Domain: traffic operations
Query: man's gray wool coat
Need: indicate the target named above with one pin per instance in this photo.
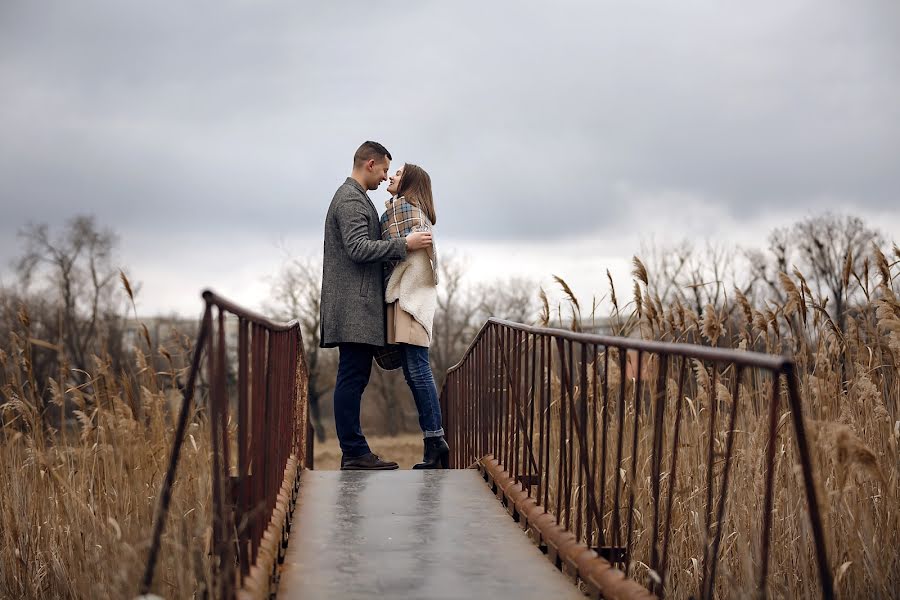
(353, 308)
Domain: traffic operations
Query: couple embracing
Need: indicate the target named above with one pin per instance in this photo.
(379, 291)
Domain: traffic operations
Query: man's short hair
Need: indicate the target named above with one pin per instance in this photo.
(370, 151)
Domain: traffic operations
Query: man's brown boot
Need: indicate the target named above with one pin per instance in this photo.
(367, 462)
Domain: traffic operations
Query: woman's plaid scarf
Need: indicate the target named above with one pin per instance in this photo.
(399, 220)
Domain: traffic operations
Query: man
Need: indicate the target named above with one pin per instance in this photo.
(352, 307)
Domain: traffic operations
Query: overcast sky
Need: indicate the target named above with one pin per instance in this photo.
(211, 135)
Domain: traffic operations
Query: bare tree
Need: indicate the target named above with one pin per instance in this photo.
(829, 249)
(464, 308)
(694, 277)
(65, 305)
(76, 271)
(513, 299)
(667, 268)
(454, 319)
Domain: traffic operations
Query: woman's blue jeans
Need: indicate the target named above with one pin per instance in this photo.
(417, 371)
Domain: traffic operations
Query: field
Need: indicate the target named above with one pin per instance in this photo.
(849, 382)
(76, 503)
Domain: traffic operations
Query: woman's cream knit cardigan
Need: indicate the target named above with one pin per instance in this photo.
(413, 284)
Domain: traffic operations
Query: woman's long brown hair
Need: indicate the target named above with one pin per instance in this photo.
(415, 186)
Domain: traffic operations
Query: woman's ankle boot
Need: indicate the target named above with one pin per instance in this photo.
(436, 455)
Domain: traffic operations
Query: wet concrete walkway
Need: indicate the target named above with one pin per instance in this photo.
(410, 534)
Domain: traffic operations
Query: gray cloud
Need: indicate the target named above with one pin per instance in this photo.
(544, 119)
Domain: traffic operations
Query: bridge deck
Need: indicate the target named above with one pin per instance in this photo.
(410, 534)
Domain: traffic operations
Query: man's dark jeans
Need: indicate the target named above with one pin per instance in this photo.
(354, 369)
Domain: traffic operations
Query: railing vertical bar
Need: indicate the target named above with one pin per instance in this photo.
(509, 382)
(501, 386)
(280, 421)
(215, 420)
(484, 399)
(490, 401)
(561, 451)
(498, 387)
(620, 439)
(258, 477)
(243, 504)
(477, 421)
(458, 425)
(509, 420)
(544, 443)
(477, 377)
(267, 461)
(515, 389)
(673, 472)
(212, 415)
(569, 390)
(474, 402)
(605, 431)
(447, 413)
(583, 518)
(656, 468)
(464, 413)
(521, 406)
(632, 479)
(464, 416)
(532, 342)
(472, 406)
(290, 407)
(769, 487)
(451, 416)
(444, 402)
(274, 456)
(710, 472)
(595, 442)
(497, 395)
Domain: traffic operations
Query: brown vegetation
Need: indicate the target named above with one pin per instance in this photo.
(77, 502)
(850, 387)
(77, 498)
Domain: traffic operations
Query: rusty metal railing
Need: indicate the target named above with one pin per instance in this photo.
(616, 453)
(260, 440)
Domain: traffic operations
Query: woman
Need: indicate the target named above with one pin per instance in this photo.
(411, 295)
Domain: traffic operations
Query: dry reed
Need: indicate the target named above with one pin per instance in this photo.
(850, 387)
(77, 501)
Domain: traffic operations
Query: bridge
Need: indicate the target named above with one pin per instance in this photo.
(581, 465)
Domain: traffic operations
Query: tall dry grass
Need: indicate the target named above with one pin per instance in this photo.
(77, 502)
(850, 388)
